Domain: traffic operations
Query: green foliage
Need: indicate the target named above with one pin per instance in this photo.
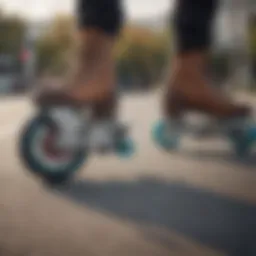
(252, 35)
(219, 66)
(253, 46)
(140, 53)
(12, 31)
(54, 45)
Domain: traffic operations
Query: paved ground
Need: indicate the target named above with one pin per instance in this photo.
(199, 201)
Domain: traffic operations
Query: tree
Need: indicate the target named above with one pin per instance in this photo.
(54, 45)
(253, 35)
(141, 55)
(253, 46)
(12, 31)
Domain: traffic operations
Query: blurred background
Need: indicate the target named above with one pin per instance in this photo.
(199, 201)
(36, 41)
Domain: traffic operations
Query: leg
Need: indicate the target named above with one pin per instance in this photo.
(187, 86)
(99, 23)
(93, 81)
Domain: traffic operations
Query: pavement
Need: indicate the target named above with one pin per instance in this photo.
(200, 200)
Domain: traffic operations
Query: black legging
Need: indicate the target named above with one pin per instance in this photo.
(192, 20)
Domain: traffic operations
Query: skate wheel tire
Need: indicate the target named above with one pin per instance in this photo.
(168, 143)
(53, 165)
(125, 148)
(243, 147)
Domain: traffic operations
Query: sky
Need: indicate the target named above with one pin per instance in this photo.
(44, 9)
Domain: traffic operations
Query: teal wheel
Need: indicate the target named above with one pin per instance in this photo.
(163, 138)
(125, 148)
(41, 156)
(243, 145)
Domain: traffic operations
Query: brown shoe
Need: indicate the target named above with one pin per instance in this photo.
(176, 104)
(54, 93)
